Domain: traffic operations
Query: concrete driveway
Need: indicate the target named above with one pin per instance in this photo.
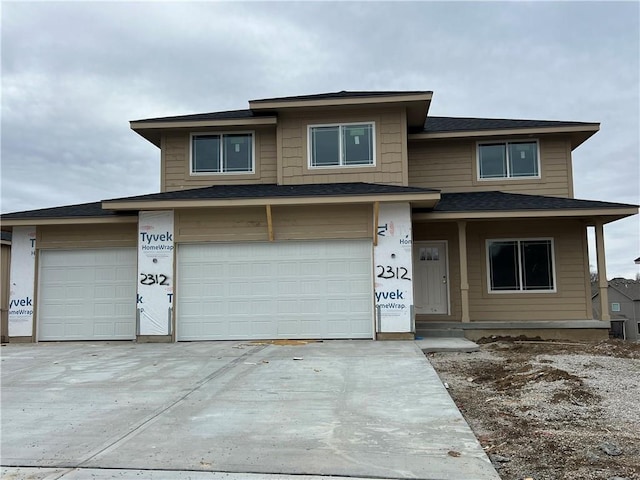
(344, 408)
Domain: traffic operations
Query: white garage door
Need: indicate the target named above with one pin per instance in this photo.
(275, 290)
(87, 294)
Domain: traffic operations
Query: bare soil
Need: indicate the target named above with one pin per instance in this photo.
(550, 410)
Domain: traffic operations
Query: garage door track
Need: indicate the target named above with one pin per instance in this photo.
(352, 408)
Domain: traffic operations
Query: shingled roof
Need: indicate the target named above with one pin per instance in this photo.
(500, 201)
(68, 211)
(463, 124)
(343, 94)
(275, 191)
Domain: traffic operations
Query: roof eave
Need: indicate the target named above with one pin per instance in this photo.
(418, 200)
(579, 133)
(152, 131)
(34, 221)
(606, 215)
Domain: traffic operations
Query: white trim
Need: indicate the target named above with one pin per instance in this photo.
(613, 309)
(520, 291)
(221, 135)
(506, 144)
(341, 165)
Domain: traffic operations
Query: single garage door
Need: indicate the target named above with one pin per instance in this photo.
(275, 290)
(87, 294)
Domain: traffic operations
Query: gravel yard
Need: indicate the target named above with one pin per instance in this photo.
(551, 410)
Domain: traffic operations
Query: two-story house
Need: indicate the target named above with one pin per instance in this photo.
(340, 215)
(624, 307)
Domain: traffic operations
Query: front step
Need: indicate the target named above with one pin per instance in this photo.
(421, 331)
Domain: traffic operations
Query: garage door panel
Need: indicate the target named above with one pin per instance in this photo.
(87, 294)
(275, 290)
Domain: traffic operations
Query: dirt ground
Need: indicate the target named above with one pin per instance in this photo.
(551, 410)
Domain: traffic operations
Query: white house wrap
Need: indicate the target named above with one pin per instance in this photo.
(22, 278)
(393, 271)
(155, 272)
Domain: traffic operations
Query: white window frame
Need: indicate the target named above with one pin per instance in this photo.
(520, 273)
(615, 306)
(508, 177)
(310, 165)
(222, 134)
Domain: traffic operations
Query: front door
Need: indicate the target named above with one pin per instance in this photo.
(430, 282)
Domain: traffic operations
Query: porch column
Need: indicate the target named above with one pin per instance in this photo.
(602, 271)
(464, 279)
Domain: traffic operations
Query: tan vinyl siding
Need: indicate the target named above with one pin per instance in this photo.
(570, 302)
(176, 175)
(445, 231)
(289, 223)
(221, 225)
(450, 165)
(87, 236)
(323, 222)
(390, 132)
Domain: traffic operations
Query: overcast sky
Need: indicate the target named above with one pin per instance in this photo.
(75, 73)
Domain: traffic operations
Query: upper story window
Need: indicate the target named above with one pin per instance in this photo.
(342, 145)
(508, 160)
(222, 153)
(520, 265)
(615, 307)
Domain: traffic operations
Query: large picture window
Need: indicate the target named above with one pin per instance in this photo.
(508, 160)
(342, 145)
(222, 153)
(520, 265)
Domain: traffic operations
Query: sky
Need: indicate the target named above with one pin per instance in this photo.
(75, 73)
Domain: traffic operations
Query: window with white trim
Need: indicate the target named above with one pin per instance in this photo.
(497, 160)
(342, 145)
(222, 153)
(615, 307)
(520, 265)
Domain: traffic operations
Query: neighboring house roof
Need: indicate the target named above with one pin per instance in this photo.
(637, 260)
(628, 288)
(500, 201)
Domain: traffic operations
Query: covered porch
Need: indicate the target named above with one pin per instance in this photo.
(492, 263)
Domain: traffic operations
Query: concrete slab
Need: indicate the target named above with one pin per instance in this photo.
(32, 473)
(441, 344)
(341, 408)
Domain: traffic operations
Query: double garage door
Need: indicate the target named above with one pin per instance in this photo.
(315, 289)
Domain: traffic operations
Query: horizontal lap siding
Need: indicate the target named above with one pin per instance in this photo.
(450, 166)
(87, 236)
(390, 130)
(289, 223)
(175, 162)
(571, 300)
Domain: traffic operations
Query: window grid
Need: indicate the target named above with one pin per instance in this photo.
(507, 161)
(221, 154)
(520, 287)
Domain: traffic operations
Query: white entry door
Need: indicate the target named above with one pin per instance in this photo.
(430, 278)
(312, 289)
